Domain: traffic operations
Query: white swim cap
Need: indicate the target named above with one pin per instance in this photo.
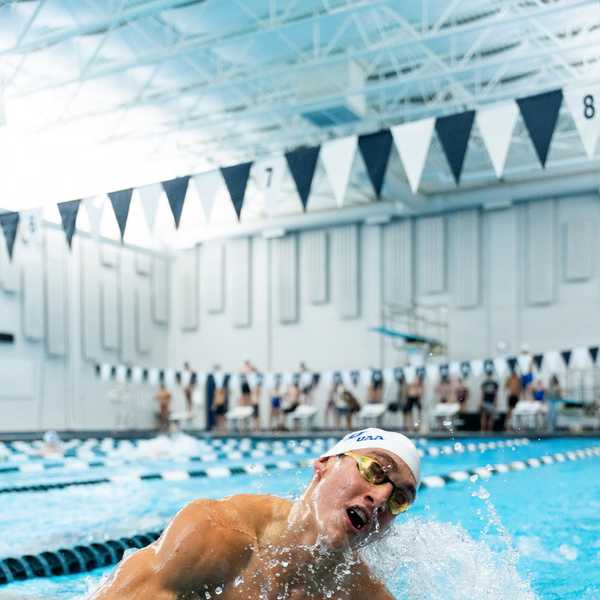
(393, 442)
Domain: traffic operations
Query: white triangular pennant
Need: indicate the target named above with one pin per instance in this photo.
(149, 196)
(93, 207)
(30, 226)
(268, 175)
(584, 105)
(496, 125)
(412, 142)
(337, 157)
(207, 185)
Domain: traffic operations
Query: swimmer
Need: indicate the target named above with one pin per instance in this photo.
(250, 546)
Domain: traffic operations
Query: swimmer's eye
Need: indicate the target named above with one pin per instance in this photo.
(375, 473)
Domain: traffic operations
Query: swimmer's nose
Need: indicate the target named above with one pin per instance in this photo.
(378, 495)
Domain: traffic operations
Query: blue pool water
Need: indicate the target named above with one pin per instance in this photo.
(527, 534)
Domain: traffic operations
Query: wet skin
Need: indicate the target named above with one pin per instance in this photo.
(266, 548)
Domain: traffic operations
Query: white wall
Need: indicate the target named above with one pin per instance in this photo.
(68, 311)
(526, 274)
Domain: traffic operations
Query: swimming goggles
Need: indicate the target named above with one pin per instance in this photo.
(374, 473)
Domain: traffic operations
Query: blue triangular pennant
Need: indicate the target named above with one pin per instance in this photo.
(120, 202)
(465, 369)
(68, 215)
(593, 350)
(399, 375)
(236, 178)
(302, 164)
(176, 190)
(538, 360)
(540, 113)
(488, 366)
(566, 356)
(512, 363)
(453, 132)
(10, 223)
(375, 149)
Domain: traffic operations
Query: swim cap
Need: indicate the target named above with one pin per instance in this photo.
(393, 442)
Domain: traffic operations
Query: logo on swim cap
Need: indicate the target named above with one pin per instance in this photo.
(360, 436)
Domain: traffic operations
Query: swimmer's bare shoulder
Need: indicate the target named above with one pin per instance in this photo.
(209, 542)
(367, 586)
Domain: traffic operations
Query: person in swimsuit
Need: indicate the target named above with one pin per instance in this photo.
(247, 547)
(489, 395)
(512, 385)
(414, 391)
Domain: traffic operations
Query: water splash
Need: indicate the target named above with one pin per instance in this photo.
(428, 560)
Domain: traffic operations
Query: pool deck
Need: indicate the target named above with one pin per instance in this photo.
(284, 435)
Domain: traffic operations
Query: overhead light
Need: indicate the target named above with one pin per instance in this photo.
(276, 232)
(378, 219)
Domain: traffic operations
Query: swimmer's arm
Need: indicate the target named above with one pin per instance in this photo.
(370, 587)
(197, 549)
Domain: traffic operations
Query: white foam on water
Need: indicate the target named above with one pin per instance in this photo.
(428, 560)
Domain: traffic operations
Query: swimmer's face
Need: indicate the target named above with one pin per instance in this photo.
(349, 509)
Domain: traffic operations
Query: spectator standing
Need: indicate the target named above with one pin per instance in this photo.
(414, 393)
(554, 397)
(444, 390)
(163, 397)
(461, 394)
(489, 398)
(188, 390)
(513, 388)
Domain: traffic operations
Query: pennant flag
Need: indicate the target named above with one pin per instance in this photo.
(268, 175)
(355, 377)
(236, 178)
(512, 363)
(488, 366)
(593, 350)
(176, 190)
(540, 113)
(412, 142)
(538, 359)
(93, 208)
(566, 356)
(336, 378)
(375, 149)
(337, 157)
(9, 222)
(496, 125)
(465, 369)
(30, 226)
(420, 371)
(207, 185)
(120, 202)
(444, 370)
(399, 375)
(149, 196)
(302, 164)
(583, 106)
(454, 132)
(68, 215)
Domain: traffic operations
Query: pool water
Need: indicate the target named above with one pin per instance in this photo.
(521, 535)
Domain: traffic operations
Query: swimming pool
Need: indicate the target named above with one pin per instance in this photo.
(530, 531)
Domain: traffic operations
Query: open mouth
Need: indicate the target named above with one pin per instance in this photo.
(358, 517)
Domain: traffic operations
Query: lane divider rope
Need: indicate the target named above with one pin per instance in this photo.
(219, 471)
(87, 557)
